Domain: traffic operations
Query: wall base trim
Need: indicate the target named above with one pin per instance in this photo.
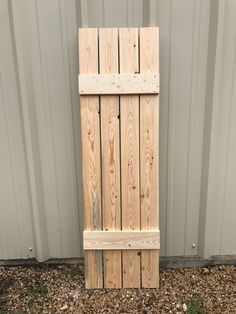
(165, 261)
(196, 261)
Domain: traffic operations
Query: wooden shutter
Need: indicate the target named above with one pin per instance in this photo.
(119, 88)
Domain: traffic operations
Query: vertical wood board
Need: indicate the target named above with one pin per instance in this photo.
(149, 157)
(108, 58)
(90, 132)
(129, 114)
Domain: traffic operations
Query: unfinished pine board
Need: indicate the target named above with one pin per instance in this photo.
(100, 84)
(122, 240)
(129, 115)
(90, 131)
(108, 58)
(149, 159)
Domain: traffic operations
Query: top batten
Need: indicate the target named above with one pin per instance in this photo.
(110, 84)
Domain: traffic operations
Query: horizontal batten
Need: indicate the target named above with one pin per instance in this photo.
(122, 240)
(108, 84)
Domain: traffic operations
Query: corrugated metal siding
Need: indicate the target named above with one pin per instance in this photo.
(43, 142)
(184, 35)
(40, 159)
(16, 232)
(220, 202)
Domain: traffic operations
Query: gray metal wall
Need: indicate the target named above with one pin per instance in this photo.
(40, 153)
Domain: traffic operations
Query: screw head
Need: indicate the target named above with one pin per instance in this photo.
(193, 245)
(30, 249)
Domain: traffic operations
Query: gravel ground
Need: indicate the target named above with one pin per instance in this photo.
(60, 289)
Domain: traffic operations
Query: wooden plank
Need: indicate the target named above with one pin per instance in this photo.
(108, 58)
(122, 240)
(149, 158)
(108, 84)
(129, 115)
(90, 130)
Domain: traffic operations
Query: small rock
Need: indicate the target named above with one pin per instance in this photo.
(206, 271)
(64, 307)
(185, 307)
(73, 294)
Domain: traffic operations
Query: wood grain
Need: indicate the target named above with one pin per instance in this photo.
(149, 159)
(108, 58)
(129, 115)
(100, 84)
(122, 240)
(90, 130)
